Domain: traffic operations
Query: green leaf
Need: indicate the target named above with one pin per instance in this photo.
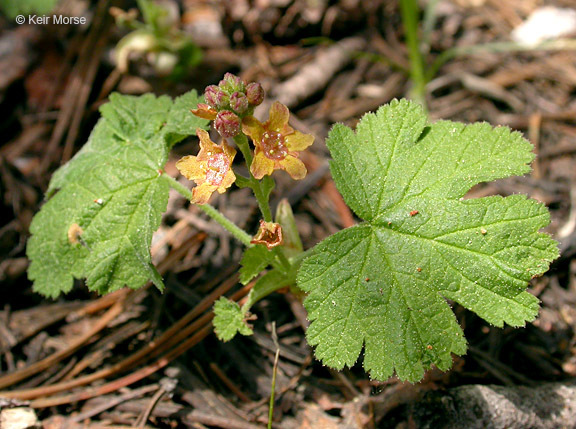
(383, 284)
(229, 320)
(113, 194)
(254, 261)
(181, 122)
(243, 182)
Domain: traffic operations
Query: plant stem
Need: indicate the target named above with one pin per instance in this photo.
(242, 143)
(264, 287)
(262, 201)
(429, 21)
(409, 9)
(282, 258)
(274, 371)
(238, 233)
(227, 224)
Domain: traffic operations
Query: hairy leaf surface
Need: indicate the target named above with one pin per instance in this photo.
(105, 204)
(254, 261)
(229, 320)
(382, 285)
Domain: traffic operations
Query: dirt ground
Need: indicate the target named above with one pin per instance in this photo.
(146, 359)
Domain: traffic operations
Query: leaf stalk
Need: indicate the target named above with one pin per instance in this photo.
(237, 232)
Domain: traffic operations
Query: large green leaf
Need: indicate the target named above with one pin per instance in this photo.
(383, 284)
(113, 195)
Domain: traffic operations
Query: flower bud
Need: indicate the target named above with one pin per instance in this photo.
(255, 93)
(239, 103)
(215, 97)
(285, 217)
(227, 124)
(231, 83)
(211, 95)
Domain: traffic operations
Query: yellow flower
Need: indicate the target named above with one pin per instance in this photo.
(211, 169)
(276, 144)
(269, 234)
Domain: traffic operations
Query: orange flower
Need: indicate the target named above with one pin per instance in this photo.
(277, 144)
(205, 111)
(269, 234)
(211, 169)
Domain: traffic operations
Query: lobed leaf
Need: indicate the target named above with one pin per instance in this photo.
(113, 192)
(383, 284)
(229, 319)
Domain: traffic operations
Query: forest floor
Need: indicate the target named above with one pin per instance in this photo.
(85, 361)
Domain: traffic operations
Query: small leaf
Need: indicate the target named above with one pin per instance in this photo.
(229, 320)
(243, 182)
(254, 261)
(114, 193)
(383, 284)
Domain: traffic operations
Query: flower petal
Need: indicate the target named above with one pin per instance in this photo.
(229, 151)
(191, 168)
(227, 181)
(205, 143)
(298, 141)
(205, 112)
(279, 115)
(201, 194)
(253, 128)
(294, 167)
(261, 166)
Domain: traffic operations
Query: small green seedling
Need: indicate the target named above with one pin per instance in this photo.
(381, 285)
(170, 51)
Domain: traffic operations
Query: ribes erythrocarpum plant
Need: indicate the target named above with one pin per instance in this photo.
(383, 285)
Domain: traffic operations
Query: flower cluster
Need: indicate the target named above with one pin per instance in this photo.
(228, 102)
(211, 169)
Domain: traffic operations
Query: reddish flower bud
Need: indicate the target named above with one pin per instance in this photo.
(227, 124)
(239, 103)
(215, 97)
(231, 83)
(255, 93)
(211, 95)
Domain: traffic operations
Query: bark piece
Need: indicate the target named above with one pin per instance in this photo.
(476, 406)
